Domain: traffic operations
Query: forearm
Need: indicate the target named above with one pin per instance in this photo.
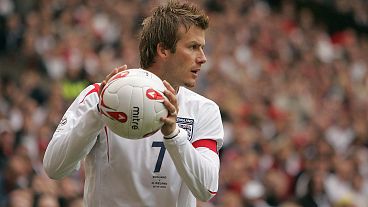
(199, 168)
(71, 142)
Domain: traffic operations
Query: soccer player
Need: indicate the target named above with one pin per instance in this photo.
(175, 166)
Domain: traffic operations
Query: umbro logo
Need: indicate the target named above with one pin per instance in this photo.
(62, 123)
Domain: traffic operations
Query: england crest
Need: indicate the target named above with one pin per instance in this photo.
(187, 124)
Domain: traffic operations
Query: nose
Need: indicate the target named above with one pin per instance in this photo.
(201, 59)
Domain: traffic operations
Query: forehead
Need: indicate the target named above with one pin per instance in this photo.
(193, 34)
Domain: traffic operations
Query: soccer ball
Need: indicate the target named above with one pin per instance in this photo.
(131, 103)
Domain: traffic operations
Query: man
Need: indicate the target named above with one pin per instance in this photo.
(176, 165)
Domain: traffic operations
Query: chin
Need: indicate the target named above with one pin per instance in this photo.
(190, 85)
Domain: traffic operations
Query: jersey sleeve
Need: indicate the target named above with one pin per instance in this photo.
(75, 136)
(209, 124)
(199, 166)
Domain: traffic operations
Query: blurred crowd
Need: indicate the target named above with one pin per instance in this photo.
(293, 97)
(356, 8)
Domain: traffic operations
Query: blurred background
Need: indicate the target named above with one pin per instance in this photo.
(290, 78)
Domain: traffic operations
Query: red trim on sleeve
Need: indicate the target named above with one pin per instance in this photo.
(209, 143)
(93, 90)
(213, 193)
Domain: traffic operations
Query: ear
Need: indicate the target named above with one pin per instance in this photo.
(161, 50)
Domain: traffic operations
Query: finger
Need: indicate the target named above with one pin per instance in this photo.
(168, 121)
(171, 103)
(122, 68)
(169, 87)
(169, 95)
(103, 83)
(173, 113)
(170, 92)
(113, 72)
(170, 108)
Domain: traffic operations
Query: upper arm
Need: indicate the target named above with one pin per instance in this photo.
(208, 127)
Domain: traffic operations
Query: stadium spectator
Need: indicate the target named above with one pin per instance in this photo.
(285, 84)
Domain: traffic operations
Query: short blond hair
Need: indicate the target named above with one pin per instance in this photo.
(163, 26)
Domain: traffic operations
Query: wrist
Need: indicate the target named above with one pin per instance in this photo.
(173, 134)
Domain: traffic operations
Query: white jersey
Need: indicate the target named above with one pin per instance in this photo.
(146, 172)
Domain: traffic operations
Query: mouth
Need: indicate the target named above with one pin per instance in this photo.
(195, 71)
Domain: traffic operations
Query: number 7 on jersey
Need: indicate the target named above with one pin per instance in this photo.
(160, 155)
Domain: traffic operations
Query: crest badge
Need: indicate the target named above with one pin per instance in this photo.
(187, 124)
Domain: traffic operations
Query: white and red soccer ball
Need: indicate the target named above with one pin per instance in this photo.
(131, 103)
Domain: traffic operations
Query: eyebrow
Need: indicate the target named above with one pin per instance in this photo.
(193, 42)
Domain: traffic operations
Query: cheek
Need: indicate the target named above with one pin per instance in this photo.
(185, 55)
(178, 63)
(181, 63)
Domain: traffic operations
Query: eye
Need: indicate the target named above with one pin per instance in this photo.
(196, 47)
